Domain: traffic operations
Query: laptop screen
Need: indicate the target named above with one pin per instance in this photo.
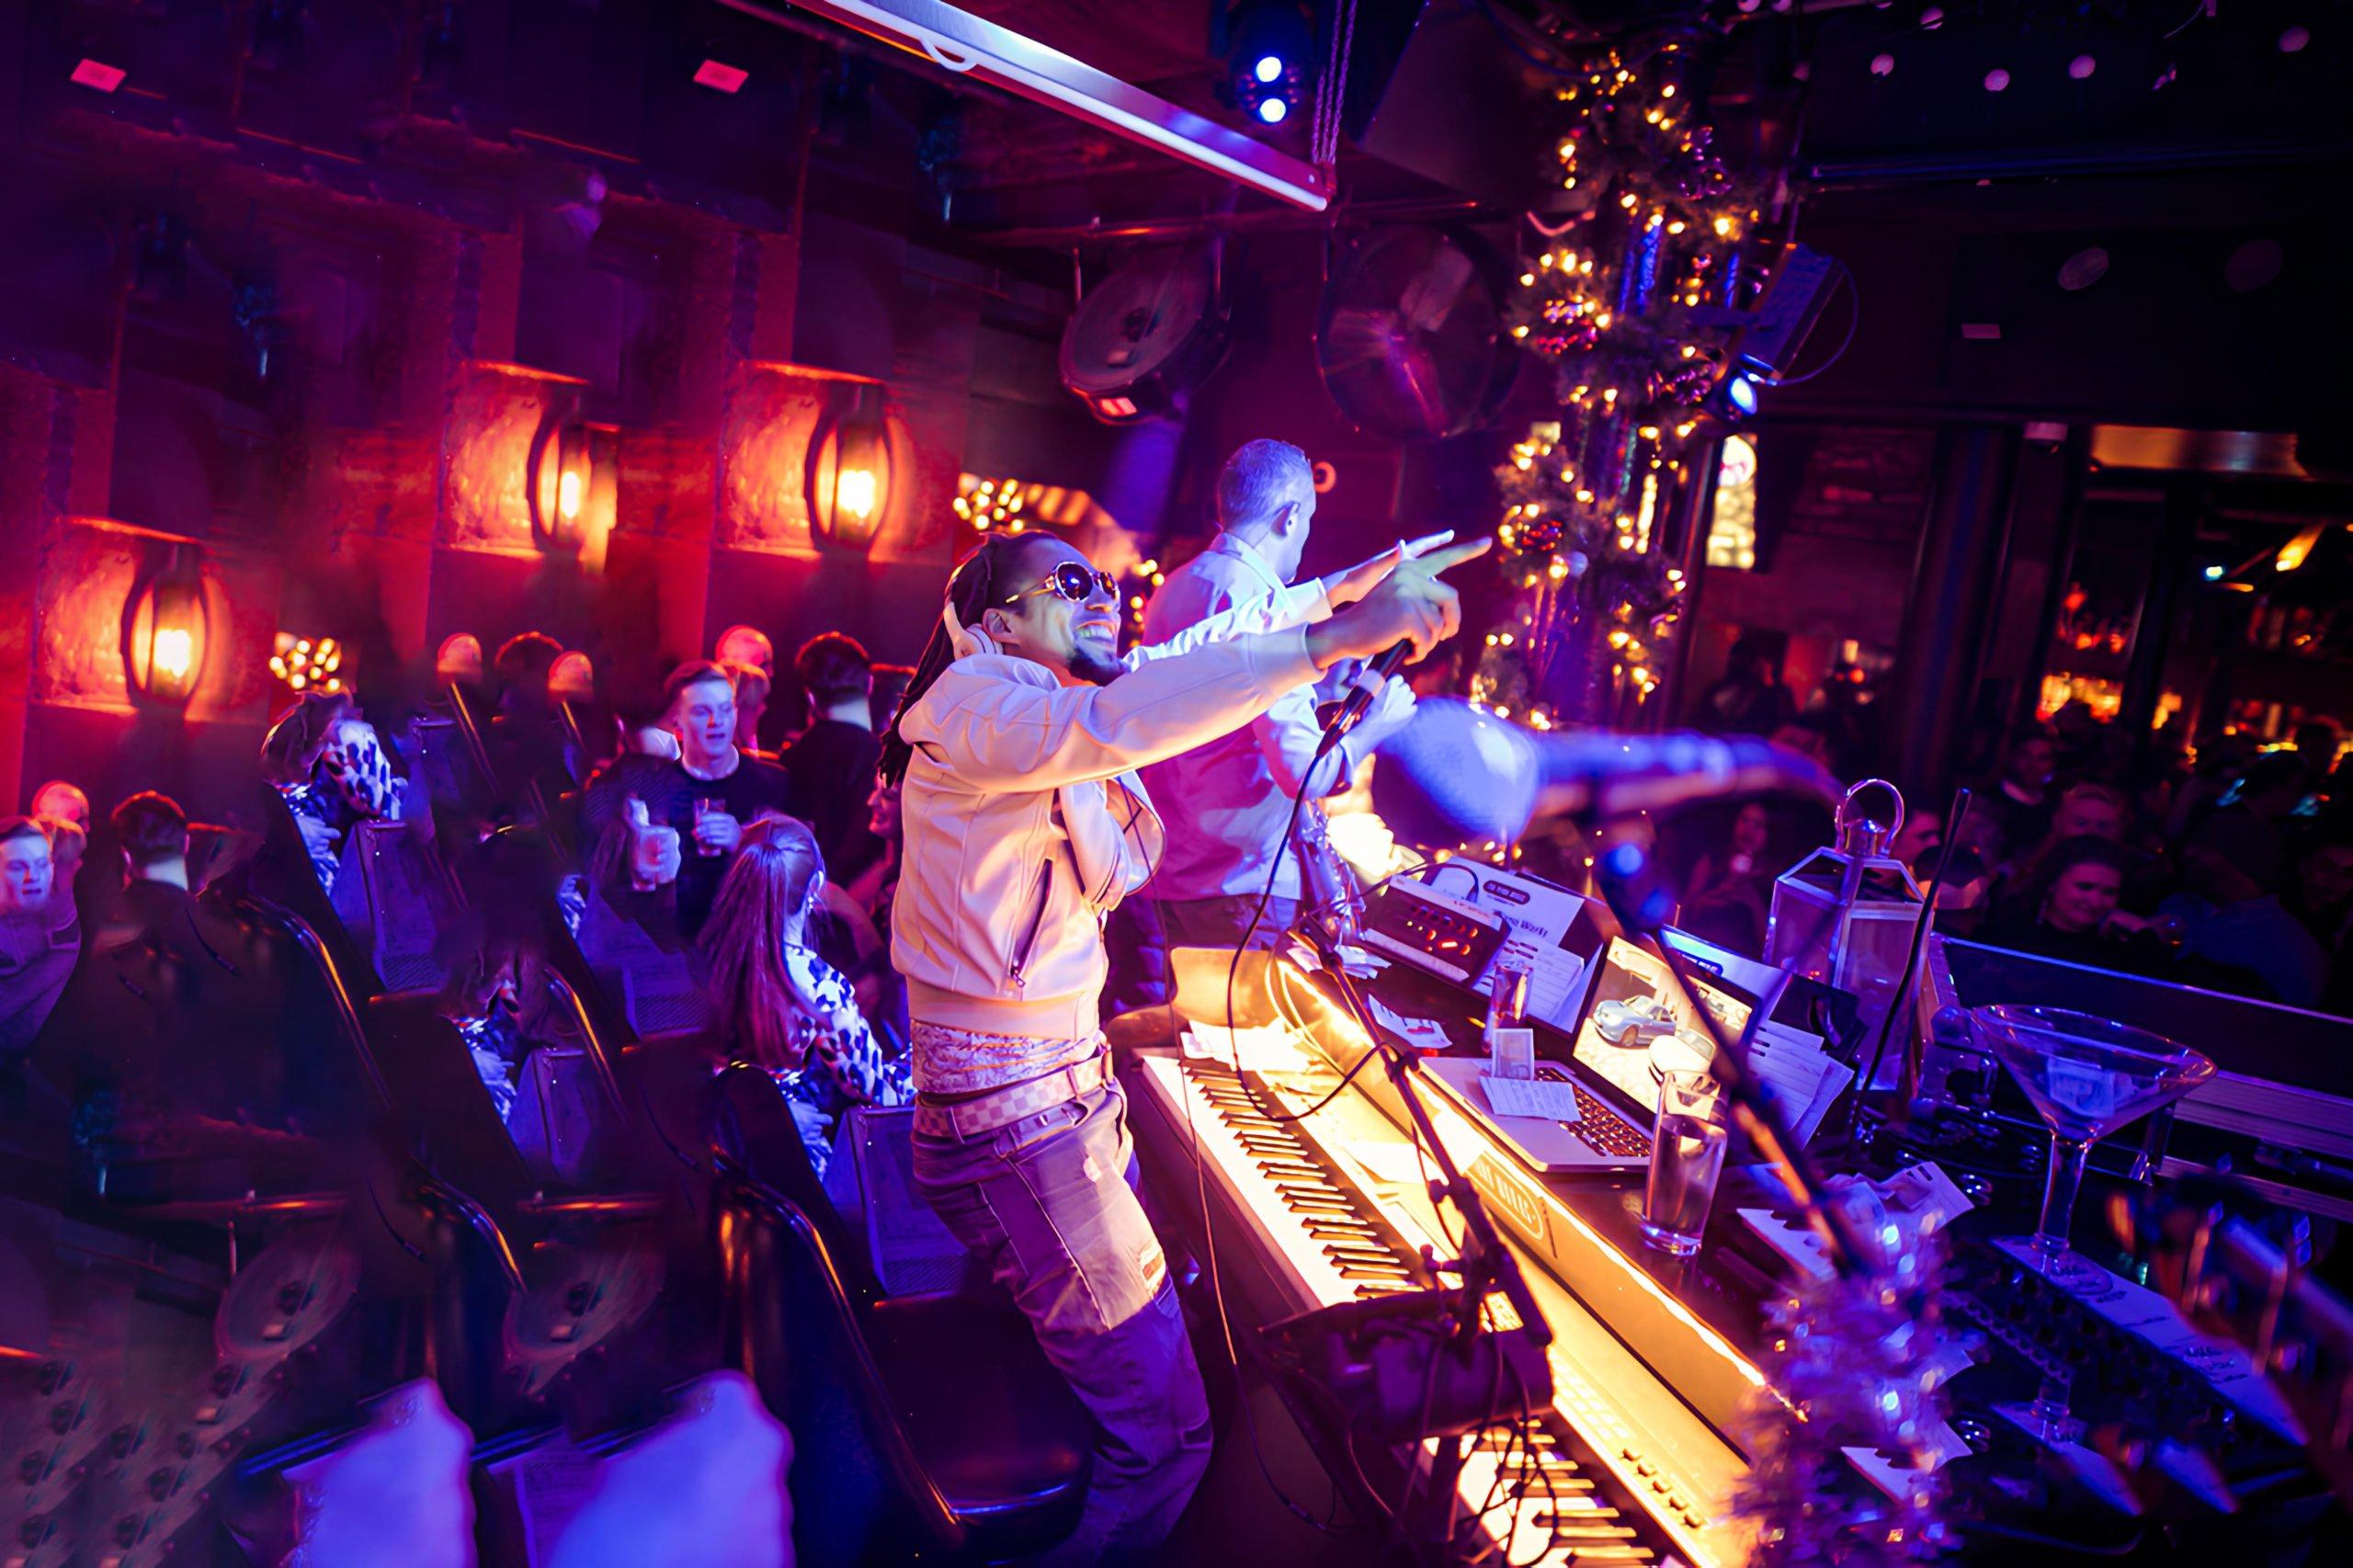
(1637, 1024)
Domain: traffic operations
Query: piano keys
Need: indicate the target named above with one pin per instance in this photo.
(1334, 1206)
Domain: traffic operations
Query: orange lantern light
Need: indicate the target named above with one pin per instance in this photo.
(167, 632)
(847, 482)
(573, 484)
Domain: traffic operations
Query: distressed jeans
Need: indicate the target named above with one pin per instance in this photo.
(1050, 1202)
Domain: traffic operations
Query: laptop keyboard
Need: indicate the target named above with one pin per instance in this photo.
(1598, 1126)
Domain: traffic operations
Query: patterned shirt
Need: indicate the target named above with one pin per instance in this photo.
(841, 1064)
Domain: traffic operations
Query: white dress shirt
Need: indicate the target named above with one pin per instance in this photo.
(1225, 803)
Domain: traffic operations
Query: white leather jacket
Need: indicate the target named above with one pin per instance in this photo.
(1025, 824)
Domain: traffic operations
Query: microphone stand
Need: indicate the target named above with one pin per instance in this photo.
(1644, 918)
(1486, 1263)
(1486, 1266)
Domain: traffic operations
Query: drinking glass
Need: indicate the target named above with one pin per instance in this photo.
(705, 806)
(2087, 1077)
(1687, 1157)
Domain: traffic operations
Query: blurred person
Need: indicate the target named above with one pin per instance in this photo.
(326, 763)
(2316, 742)
(745, 646)
(781, 1006)
(1807, 735)
(1226, 804)
(531, 749)
(2070, 912)
(705, 795)
(58, 801)
(2220, 760)
(41, 934)
(831, 764)
(752, 690)
(2322, 896)
(1025, 825)
(2232, 915)
(1740, 859)
(1748, 698)
(889, 689)
(2020, 797)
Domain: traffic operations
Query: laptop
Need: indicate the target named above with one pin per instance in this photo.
(1636, 1024)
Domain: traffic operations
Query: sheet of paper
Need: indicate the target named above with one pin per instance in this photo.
(1543, 1098)
(1421, 1034)
(1552, 972)
(1269, 1048)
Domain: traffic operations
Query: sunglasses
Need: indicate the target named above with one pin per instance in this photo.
(1075, 583)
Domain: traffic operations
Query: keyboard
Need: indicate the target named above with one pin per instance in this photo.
(1597, 1123)
(1616, 1470)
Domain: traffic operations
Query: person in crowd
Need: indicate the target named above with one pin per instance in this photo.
(890, 688)
(2323, 895)
(58, 801)
(742, 644)
(1808, 735)
(778, 1003)
(832, 764)
(2231, 914)
(2070, 911)
(41, 934)
(704, 796)
(326, 762)
(2316, 742)
(2220, 761)
(1226, 804)
(2019, 799)
(753, 687)
(531, 748)
(1737, 872)
(1748, 698)
(1025, 824)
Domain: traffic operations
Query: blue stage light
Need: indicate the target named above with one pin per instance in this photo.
(1273, 110)
(1269, 66)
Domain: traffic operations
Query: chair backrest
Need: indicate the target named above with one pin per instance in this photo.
(912, 1252)
(859, 1489)
(412, 900)
(753, 1131)
(446, 1117)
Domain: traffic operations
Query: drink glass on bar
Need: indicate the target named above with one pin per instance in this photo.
(1687, 1157)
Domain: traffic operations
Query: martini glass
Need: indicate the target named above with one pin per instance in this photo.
(2087, 1077)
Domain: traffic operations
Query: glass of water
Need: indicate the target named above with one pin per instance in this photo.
(1687, 1157)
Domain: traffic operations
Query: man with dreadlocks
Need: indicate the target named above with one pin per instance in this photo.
(1017, 747)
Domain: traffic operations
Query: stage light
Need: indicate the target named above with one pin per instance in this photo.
(166, 630)
(2215, 574)
(848, 481)
(458, 662)
(572, 678)
(1264, 43)
(1741, 392)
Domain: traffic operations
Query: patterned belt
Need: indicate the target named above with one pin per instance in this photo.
(1002, 1108)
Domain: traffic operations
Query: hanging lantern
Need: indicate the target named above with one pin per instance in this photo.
(573, 485)
(847, 482)
(1845, 915)
(167, 632)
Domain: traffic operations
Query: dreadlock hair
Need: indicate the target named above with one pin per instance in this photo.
(975, 587)
(762, 908)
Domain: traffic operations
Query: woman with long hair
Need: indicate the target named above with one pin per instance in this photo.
(779, 1005)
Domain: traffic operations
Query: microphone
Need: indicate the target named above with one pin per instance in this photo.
(1360, 698)
(1456, 774)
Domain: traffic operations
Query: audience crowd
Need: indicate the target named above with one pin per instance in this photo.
(706, 884)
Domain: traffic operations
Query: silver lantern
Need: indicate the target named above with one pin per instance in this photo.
(1846, 915)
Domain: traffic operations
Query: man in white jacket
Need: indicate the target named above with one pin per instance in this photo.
(1026, 825)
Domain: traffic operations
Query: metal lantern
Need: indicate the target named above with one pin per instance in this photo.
(167, 632)
(1846, 915)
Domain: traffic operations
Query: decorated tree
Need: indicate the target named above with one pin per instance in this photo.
(1627, 301)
